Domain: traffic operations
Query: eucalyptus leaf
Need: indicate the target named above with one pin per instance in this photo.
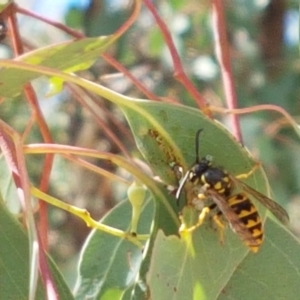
(80, 54)
(109, 265)
(14, 262)
(199, 266)
(202, 268)
(271, 274)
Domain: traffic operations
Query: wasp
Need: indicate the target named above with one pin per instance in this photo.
(213, 189)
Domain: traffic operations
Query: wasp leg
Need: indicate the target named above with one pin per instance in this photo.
(183, 229)
(246, 175)
(220, 225)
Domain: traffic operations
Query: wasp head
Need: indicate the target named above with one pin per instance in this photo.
(200, 168)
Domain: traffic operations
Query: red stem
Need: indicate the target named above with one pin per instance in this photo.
(179, 73)
(37, 115)
(77, 93)
(58, 25)
(39, 118)
(123, 70)
(223, 56)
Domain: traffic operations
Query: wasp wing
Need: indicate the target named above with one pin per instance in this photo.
(278, 211)
(236, 224)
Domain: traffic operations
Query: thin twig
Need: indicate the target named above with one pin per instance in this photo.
(223, 55)
(179, 72)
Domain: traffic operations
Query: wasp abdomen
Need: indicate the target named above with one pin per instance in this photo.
(248, 214)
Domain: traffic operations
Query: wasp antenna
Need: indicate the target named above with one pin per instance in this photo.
(197, 145)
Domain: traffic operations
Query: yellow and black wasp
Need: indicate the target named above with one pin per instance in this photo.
(215, 189)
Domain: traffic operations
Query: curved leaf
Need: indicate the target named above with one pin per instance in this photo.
(177, 126)
(177, 136)
(272, 274)
(202, 269)
(14, 262)
(198, 266)
(81, 54)
(109, 265)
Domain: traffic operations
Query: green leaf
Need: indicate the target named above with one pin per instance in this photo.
(181, 269)
(8, 189)
(177, 127)
(204, 269)
(271, 274)
(14, 262)
(68, 56)
(109, 265)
